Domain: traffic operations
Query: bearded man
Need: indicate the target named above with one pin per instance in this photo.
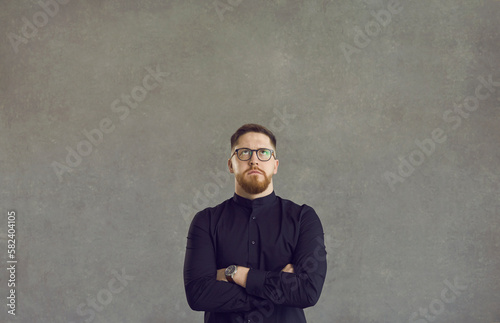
(255, 257)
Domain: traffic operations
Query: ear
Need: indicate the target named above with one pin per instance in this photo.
(230, 166)
(276, 164)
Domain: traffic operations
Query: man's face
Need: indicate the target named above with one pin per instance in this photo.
(253, 176)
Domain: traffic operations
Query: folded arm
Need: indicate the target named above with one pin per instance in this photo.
(299, 284)
(203, 291)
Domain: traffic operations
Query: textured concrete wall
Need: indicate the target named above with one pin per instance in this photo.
(115, 123)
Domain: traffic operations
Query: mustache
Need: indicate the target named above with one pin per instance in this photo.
(254, 168)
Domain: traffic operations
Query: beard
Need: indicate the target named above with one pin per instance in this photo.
(254, 184)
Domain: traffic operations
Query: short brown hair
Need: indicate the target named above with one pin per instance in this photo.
(252, 127)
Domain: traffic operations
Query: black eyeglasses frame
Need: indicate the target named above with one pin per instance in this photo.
(252, 150)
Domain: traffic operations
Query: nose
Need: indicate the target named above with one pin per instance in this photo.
(254, 160)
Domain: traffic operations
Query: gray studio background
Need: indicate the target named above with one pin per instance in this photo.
(387, 120)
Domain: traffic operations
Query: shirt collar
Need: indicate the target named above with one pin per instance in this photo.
(261, 201)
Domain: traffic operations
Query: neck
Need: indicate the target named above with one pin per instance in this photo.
(241, 192)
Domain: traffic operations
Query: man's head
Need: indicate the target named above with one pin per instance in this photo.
(253, 160)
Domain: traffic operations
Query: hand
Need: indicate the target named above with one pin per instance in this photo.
(288, 269)
(221, 275)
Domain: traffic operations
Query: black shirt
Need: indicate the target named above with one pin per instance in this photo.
(264, 234)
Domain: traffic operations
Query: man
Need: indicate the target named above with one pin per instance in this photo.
(255, 257)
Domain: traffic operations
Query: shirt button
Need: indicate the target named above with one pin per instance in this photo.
(253, 218)
(253, 241)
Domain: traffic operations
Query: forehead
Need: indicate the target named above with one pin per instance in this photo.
(254, 140)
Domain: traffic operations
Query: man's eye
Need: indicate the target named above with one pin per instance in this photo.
(244, 152)
(264, 152)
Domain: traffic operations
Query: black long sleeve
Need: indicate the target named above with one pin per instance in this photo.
(302, 288)
(204, 292)
(264, 235)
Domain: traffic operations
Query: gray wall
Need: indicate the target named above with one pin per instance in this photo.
(383, 121)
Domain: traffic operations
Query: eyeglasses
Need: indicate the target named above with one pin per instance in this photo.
(244, 154)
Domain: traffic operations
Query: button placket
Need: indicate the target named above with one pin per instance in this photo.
(253, 237)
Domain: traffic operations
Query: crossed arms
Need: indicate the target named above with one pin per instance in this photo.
(298, 284)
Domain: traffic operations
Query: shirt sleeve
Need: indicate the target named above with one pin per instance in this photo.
(203, 291)
(302, 288)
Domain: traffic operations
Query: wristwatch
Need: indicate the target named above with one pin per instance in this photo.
(230, 272)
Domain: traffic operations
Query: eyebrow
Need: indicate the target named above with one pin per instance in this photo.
(256, 148)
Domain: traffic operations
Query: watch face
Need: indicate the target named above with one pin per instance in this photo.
(230, 270)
